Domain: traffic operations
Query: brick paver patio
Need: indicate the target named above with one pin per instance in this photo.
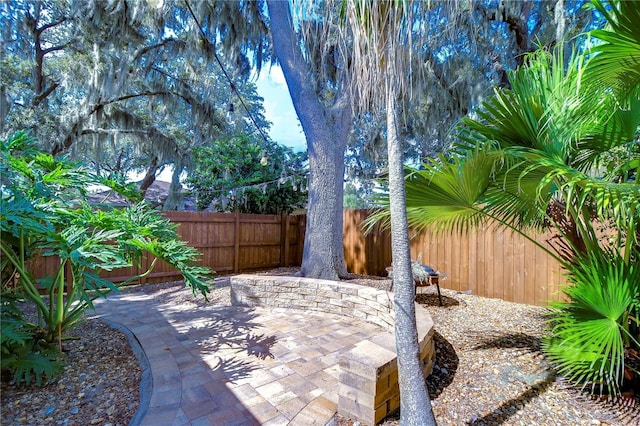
(220, 365)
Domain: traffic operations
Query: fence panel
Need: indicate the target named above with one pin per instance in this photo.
(229, 243)
(490, 261)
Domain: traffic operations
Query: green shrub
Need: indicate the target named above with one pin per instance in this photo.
(44, 212)
(589, 333)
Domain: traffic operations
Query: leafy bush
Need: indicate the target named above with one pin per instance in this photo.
(21, 352)
(44, 212)
(239, 174)
(559, 150)
(591, 331)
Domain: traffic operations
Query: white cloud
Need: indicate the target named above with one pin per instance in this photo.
(272, 76)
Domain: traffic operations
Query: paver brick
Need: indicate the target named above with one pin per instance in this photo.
(291, 407)
(322, 408)
(164, 414)
(270, 390)
(279, 420)
(293, 381)
(195, 394)
(368, 360)
(263, 412)
(198, 409)
(215, 387)
(248, 389)
(351, 408)
(166, 397)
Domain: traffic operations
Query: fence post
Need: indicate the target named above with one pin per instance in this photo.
(284, 240)
(236, 243)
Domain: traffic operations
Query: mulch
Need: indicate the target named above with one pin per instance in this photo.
(489, 371)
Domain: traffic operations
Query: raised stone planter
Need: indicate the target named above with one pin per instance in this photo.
(368, 388)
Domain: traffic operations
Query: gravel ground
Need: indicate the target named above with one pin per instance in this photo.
(99, 386)
(489, 370)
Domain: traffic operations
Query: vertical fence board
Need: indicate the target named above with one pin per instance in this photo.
(284, 240)
(498, 281)
(473, 262)
(461, 283)
(227, 241)
(542, 285)
(236, 242)
(508, 269)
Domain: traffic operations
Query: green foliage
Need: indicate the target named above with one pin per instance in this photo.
(620, 42)
(238, 174)
(479, 49)
(559, 149)
(590, 332)
(21, 348)
(532, 158)
(30, 361)
(44, 213)
(354, 197)
(127, 86)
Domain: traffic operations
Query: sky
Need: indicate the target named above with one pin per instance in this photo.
(285, 128)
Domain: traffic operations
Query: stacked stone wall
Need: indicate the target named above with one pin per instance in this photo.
(368, 381)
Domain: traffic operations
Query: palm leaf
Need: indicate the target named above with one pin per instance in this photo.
(449, 193)
(586, 342)
(543, 110)
(616, 62)
(459, 193)
(617, 132)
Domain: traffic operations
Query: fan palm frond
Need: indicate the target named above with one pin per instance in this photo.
(446, 193)
(618, 131)
(589, 331)
(545, 97)
(616, 62)
(449, 193)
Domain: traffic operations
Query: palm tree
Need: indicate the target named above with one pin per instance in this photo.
(378, 36)
(559, 150)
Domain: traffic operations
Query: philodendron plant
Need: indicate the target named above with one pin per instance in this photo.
(45, 212)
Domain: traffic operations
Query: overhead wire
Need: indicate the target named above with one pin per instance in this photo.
(234, 89)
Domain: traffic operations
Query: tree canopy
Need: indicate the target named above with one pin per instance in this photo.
(124, 84)
(460, 52)
(240, 174)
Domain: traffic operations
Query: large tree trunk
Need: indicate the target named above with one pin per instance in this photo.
(150, 176)
(415, 405)
(174, 198)
(326, 130)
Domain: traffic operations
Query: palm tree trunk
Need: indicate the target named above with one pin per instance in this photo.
(415, 405)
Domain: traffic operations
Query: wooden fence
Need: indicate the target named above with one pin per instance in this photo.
(229, 243)
(491, 262)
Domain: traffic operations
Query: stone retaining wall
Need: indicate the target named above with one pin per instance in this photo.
(368, 388)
